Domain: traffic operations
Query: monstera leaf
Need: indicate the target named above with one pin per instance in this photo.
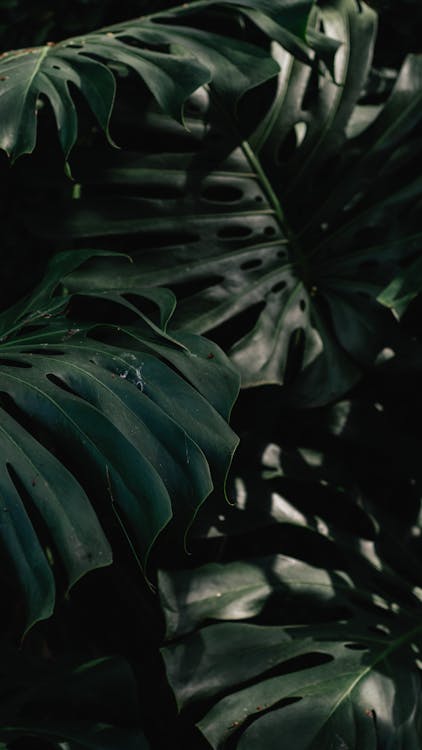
(328, 653)
(282, 233)
(172, 56)
(100, 422)
(350, 684)
(320, 645)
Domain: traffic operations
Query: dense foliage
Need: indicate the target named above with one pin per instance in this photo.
(259, 223)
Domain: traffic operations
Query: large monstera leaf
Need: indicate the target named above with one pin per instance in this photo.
(169, 52)
(320, 647)
(350, 684)
(100, 422)
(283, 233)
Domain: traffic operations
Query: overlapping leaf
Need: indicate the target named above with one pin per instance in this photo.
(340, 670)
(280, 243)
(117, 399)
(172, 59)
(321, 645)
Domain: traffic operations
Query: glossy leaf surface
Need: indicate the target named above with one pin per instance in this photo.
(321, 648)
(173, 61)
(116, 398)
(282, 237)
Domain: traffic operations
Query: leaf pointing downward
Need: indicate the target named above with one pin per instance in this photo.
(90, 429)
(172, 59)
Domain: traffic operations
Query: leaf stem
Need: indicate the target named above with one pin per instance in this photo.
(298, 257)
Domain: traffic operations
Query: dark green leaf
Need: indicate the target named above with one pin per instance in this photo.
(172, 60)
(70, 400)
(282, 242)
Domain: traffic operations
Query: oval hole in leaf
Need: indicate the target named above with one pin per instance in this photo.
(161, 191)
(234, 231)
(270, 231)
(5, 362)
(312, 659)
(222, 194)
(278, 287)
(355, 646)
(249, 264)
(237, 326)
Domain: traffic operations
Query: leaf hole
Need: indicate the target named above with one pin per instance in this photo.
(270, 231)
(355, 646)
(158, 191)
(234, 231)
(259, 199)
(222, 194)
(302, 305)
(141, 242)
(249, 264)
(6, 362)
(278, 287)
(230, 331)
(56, 67)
